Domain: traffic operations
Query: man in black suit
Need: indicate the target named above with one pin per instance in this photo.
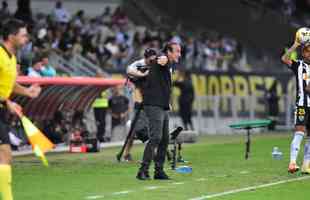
(156, 101)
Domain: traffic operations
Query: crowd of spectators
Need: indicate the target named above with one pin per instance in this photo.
(111, 40)
(295, 11)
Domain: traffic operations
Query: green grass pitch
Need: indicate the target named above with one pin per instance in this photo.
(218, 165)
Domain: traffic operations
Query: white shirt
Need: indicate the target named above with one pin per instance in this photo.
(61, 15)
(132, 69)
(33, 73)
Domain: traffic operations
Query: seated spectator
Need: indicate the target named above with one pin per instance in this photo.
(35, 70)
(119, 107)
(55, 129)
(79, 19)
(212, 55)
(112, 48)
(106, 15)
(119, 17)
(77, 47)
(47, 69)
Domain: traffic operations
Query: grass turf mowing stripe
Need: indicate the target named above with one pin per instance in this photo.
(178, 183)
(122, 192)
(95, 197)
(152, 187)
(249, 188)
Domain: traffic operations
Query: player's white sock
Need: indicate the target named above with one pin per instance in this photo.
(307, 153)
(295, 145)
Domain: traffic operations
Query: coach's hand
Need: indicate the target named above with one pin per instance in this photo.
(34, 91)
(145, 73)
(162, 60)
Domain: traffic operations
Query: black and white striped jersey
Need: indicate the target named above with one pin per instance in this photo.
(302, 74)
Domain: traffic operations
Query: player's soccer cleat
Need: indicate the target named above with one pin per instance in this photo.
(305, 169)
(292, 168)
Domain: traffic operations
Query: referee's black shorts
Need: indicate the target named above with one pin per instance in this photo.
(4, 128)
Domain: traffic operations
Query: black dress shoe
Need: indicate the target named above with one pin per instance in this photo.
(143, 175)
(161, 175)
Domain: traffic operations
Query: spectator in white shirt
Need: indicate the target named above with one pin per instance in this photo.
(35, 70)
(60, 14)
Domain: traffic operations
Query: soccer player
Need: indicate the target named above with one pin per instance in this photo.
(301, 70)
(14, 36)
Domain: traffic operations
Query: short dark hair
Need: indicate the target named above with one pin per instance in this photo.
(305, 47)
(36, 59)
(58, 4)
(11, 27)
(168, 46)
(149, 52)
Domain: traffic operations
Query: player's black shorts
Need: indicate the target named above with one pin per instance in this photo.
(302, 115)
(4, 128)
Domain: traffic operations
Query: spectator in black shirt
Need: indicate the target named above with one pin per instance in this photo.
(4, 12)
(118, 105)
(156, 98)
(186, 98)
(272, 104)
(24, 12)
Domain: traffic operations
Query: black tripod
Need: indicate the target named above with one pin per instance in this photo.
(130, 133)
(176, 152)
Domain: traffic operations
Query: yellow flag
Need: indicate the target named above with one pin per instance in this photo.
(41, 155)
(39, 142)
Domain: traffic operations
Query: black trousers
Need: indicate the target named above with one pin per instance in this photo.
(4, 126)
(100, 114)
(185, 111)
(157, 145)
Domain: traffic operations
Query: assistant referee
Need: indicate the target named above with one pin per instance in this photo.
(14, 35)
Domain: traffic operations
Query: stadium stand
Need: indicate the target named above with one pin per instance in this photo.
(86, 44)
(111, 40)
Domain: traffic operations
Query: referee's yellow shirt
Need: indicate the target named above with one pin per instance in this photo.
(8, 73)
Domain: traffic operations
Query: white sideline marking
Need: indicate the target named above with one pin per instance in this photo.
(249, 188)
(95, 197)
(121, 192)
(178, 183)
(152, 187)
